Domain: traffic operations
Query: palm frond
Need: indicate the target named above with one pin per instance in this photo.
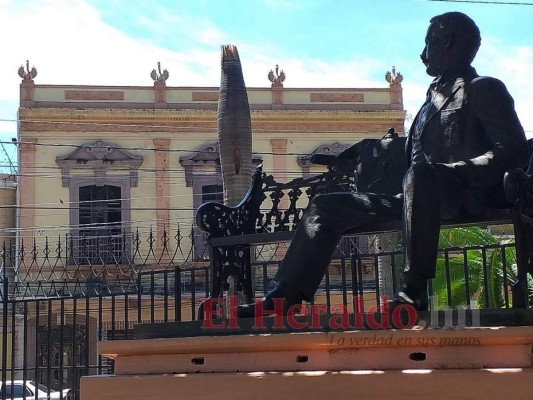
(486, 268)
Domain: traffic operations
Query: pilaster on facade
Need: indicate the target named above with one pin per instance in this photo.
(26, 188)
(277, 98)
(160, 95)
(396, 95)
(279, 157)
(27, 93)
(279, 167)
(162, 190)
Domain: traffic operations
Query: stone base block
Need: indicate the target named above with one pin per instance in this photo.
(486, 384)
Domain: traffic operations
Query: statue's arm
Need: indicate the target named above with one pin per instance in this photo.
(345, 160)
(494, 113)
(350, 153)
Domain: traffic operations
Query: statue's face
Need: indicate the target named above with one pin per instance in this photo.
(434, 55)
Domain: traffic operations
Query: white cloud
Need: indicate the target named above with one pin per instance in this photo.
(69, 43)
(175, 27)
(513, 66)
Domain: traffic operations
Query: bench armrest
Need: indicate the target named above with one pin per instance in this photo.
(219, 220)
(519, 190)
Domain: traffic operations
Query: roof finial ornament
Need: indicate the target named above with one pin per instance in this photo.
(27, 75)
(159, 76)
(276, 78)
(393, 78)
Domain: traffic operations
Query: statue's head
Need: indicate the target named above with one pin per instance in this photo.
(452, 40)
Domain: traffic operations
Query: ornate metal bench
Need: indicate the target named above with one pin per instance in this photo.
(233, 230)
(259, 219)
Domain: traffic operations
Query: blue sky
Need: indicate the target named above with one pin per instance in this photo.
(318, 43)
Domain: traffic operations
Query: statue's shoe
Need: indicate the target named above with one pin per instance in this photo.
(279, 301)
(419, 303)
(413, 291)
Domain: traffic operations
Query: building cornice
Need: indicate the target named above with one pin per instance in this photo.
(113, 120)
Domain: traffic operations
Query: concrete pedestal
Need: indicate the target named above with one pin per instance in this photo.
(458, 363)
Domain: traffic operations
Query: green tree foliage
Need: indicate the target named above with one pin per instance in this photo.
(466, 251)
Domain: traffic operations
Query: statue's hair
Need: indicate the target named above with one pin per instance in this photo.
(464, 28)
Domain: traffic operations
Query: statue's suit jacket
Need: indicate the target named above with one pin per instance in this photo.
(474, 120)
(379, 164)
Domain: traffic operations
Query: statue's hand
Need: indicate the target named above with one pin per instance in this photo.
(324, 159)
(460, 169)
(456, 170)
(348, 153)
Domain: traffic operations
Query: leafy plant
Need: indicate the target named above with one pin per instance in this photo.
(476, 254)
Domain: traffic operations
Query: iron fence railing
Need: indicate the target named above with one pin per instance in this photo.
(56, 307)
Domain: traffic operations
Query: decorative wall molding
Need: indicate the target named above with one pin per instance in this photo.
(204, 96)
(279, 145)
(26, 145)
(94, 95)
(207, 154)
(176, 121)
(364, 128)
(99, 157)
(184, 116)
(337, 97)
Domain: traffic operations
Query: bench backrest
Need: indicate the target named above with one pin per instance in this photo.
(376, 165)
(372, 165)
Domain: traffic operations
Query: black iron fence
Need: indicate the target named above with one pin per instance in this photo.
(57, 306)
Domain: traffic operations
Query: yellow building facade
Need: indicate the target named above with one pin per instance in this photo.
(117, 161)
(108, 184)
